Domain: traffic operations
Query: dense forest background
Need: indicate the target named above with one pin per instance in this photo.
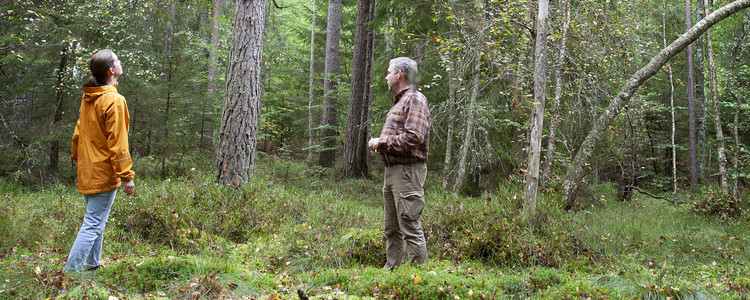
(477, 69)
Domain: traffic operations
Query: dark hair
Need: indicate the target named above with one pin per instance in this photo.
(99, 64)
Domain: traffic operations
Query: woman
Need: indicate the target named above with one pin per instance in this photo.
(100, 149)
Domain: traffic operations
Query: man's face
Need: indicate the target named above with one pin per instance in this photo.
(392, 78)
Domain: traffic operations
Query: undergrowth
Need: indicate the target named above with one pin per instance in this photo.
(293, 228)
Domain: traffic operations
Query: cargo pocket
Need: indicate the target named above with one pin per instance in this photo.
(411, 204)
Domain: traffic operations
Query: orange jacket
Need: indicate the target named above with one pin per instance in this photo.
(100, 140)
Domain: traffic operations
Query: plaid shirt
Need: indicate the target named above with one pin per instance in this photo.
(406, 129)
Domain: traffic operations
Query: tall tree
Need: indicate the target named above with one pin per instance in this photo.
(691, 102)
(700, 95)
(451, 119)
(312, 82)
(536, 122)
(575, 169)
(559, 67)
(357, 125)
(671, 98)
(722, 159)
(238, 135)
(468, 140)
(330, 119)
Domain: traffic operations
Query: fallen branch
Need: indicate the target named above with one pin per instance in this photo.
(655, 196)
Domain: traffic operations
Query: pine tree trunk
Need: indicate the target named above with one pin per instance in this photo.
(236, 147)
(721, 157)
(575, 170)
(330, 122)
(354, 148)
(547, 174)
(54, 154)
(310, 122)
(537, 113)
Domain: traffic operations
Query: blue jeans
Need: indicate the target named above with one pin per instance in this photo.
(87, 249)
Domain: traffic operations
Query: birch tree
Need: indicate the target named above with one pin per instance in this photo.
(575, 169)
(721, 157)
(537, 112)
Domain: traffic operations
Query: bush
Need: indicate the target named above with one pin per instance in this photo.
(713, 202)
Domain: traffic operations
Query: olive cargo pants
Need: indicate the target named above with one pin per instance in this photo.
(403, 201)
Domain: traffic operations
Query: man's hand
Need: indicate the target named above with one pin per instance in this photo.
(374, 143)
(128, 187)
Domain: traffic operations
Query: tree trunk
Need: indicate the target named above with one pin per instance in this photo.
(721, 158)
(691, 103)
(537, 112)
(547, 174)
(238, 135)
(671, 100)
(354, 148)
(312, 84)
(328, 132)
(469, 132)
(54, 154)
(575, 170)
(207, 126)
(451, 120)
(700, 96)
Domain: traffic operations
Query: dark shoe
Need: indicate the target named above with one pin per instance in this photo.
(90, 269)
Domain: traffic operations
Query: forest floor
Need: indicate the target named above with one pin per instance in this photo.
(294, 228)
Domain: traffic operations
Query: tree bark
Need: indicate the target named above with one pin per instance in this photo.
(469, 132)
(355, 146)
(671, 100)
(310, 123)
(721, 157)
(238, 135)
(691, 103)
(547, 174)
(700, 96)
(330, 122)
(207, 126)
(537, 112)
(54, 154)
(451, 120)
(575, 170)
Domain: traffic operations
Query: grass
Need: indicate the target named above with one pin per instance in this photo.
(294, 228)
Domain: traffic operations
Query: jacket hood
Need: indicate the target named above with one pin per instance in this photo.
(91, 93)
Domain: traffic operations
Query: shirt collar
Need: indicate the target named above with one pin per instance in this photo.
(401, 93)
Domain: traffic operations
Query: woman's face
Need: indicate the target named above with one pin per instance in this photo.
(117, 69)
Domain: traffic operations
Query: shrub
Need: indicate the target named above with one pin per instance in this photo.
(713, 202)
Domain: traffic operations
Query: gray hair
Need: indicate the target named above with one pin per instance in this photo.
(407, 66)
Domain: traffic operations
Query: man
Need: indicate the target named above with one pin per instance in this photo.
(403, 144)
(100, 149)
